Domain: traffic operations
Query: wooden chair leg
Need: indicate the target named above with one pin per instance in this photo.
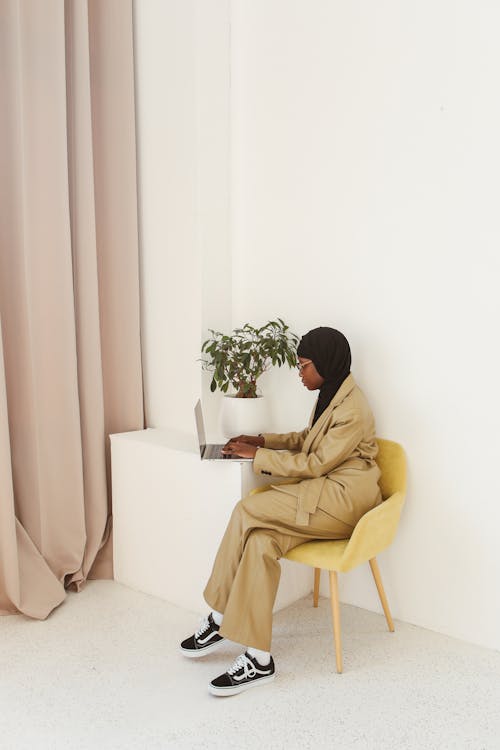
(381, 592)
(317, 574)
(334, 593)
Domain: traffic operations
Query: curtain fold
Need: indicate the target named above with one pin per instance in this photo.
(70, 373)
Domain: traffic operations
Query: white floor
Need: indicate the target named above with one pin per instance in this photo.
(103, 672)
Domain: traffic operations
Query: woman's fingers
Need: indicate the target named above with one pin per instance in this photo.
(255, 441)
(231, 445)
(237, 448)
(244, 450)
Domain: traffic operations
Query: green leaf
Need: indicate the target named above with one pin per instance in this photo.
(241, 357)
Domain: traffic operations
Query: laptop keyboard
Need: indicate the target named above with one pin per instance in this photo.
(215, 451)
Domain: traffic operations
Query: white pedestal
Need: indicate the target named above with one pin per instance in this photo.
(170, 510)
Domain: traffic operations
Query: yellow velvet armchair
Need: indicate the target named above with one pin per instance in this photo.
(373, 533)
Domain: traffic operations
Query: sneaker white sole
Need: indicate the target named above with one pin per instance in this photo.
(234, 689)
(201, 651)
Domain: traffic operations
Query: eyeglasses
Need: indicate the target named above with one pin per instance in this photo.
(300, 365)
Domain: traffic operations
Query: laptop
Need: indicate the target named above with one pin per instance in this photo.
(211, 452)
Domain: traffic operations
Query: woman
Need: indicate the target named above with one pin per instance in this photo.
(333, 482)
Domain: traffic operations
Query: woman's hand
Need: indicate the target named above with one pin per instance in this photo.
(257, 440)
(237, 447)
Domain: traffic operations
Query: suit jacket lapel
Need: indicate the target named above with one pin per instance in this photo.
(342, 392)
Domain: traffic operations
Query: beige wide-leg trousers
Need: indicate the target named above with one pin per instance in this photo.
(246, 571)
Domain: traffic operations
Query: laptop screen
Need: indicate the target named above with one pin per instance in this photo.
(200, 426)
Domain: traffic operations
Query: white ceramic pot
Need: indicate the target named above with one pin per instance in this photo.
(243, 416)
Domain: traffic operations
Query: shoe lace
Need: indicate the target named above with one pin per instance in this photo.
(204, 626)
(243, 662)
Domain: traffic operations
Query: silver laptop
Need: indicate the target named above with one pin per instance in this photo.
(211, 452)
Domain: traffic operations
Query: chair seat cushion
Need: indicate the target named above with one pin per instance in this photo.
(326, 554)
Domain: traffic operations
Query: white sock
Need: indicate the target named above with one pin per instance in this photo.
(217, 617)
(263, 657)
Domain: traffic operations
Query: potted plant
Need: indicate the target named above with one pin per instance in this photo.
(237, 361)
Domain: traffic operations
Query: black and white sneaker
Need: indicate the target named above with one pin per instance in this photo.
(205, 640)
(245, 673)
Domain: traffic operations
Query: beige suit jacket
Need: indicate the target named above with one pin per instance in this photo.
(332, 464)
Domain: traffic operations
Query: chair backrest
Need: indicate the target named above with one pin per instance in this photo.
(375, 530)
(392, 464)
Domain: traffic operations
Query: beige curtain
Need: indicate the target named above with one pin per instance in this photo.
(70, 367)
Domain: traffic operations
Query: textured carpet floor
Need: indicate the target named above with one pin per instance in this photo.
(103, 671)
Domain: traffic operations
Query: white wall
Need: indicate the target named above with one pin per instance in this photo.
(363, 146)
(365, 194)
(182, 82)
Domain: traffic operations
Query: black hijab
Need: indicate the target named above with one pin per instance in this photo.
(331, 354)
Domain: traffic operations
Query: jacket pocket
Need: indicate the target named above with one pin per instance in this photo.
(309, 493)
(290, 487)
